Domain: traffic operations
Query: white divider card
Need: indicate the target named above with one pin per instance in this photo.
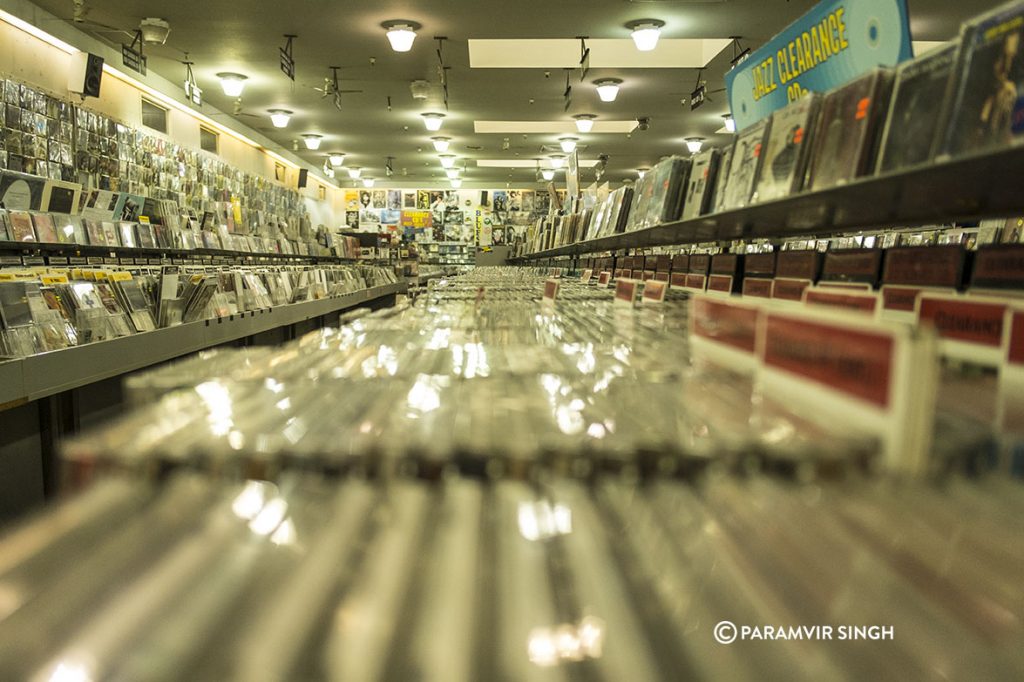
(587, 276)
(840, 369)
(654, 292)
(970, 328)
(604, 279)
(725, 332)
(626, 291)
(785, 289)
(1011, 376)
(863, 302)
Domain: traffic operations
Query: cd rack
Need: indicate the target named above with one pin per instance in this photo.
(966, 189)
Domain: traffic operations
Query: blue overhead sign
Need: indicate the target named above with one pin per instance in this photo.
(832, 44)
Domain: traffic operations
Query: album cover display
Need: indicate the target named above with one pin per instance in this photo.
(21, 226)
(146, 238)
(5, 226)
(784, 158)
(94, 230)
(600, 218)
(46, 231)
(15, 310)
(618, 214)
(722, 178)
(986, 104)
(701, 183)
(641, 198)
(110, 236)
(745, 164)
(668, 180)
(846, 134)
(910, 134)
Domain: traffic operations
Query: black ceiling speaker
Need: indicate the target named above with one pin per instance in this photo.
(303, 176)
(85, 74)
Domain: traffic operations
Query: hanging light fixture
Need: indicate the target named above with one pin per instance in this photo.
(232, 83)
(456, 182)
(447, 160)
(401, 34)
(694, 144)
(312, 141)
(641, 172)
(645, 33)
(368, 182)
(557, 160)
(280, 117)
(441, 144)
(451, 173)
(328, 171)
(548, 173)
(584, 122)
(730, 123)
(433, 121)
(336, 159)
(568, 144)
(608, 88)
(355, 172)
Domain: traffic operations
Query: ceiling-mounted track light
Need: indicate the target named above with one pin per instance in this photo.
(645, 33)
(568, 144)
(441, 144)
(433, 121)
(584, 122)
(608, 88)
(312, 141)
(401, 34)
(232, 83)
(280, 117)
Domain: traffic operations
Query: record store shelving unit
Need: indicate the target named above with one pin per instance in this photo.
(966, 189)
(47, 396)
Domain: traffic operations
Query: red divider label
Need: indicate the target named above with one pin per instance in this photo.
(678, 279)
(964, 320)
(934, 266)
(661, 276)
(860, 304)
(726, 323)
(604, 278)
(857, 363)
(790, 289)
(1015, 354)
(654, 291)
(625, 291)
(695, 282)
(900, 298)
(722, 283)
(797, 265)
(757, 287)
(551, 289)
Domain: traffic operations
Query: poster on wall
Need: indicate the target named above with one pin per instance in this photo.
(423, 200)
(408, 199)
(417, 219)
(390, 216)
(572, 176)
(379, 198)
(500, 201)
(528, 200)
(351, 200)
(394, 200)
(352, 219)
(829, 46)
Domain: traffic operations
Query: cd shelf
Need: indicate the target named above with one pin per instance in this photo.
(966, 189)
(59, 251)
(46, 374)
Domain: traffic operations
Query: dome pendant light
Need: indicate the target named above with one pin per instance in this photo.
(557, 160)
(452, 173)
(694, 144)
(447, 160)
(232, 83)
(548, 173)
(441, 144)
(368, 182)
(401, 34)
(355, 172)
(730, 123)
(312, 141)
(433, 121)
(641, 172)
(568, 144)
(608, 88)
(280, 117)
(456, 182)
(336, 159)
(645, 33)
(584, 122)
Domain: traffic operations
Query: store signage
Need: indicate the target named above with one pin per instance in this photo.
(131, 55)
(287, 61)
(829, 46)
(698, 97)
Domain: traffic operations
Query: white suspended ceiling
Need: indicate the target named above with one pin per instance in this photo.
(564, 53)
(527, 163)
(551, 127)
